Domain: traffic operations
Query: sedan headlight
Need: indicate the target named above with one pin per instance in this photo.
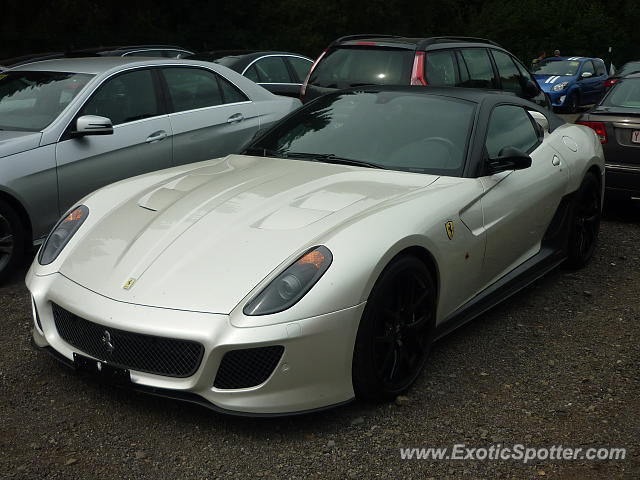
(558, 87)
(62, 233)
(291, 285)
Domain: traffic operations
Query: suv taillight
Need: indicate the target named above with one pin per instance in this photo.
(303, 90)
(417, 74)
(598, 127)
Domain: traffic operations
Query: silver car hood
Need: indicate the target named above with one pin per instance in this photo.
(12, 142)
(204, 239)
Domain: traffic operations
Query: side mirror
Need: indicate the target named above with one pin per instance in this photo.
(509, 158)
(586, 74)
(530, 88)
(92, 125)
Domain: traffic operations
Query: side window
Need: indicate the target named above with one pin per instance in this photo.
(273, 70)
(600, 68)
(252, 74)
(509, 74)
(301, 67)
(230, 93)
(191, 88)
(124, 98)
(145, 53)
(510, 126)
(440, 68)
(588, 67)
(479, 67)
(524, 72)
(463, 70)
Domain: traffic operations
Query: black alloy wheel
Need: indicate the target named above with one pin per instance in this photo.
(396, 330)
(12, 239)
(585, 226)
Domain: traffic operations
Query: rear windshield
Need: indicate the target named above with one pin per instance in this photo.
(625, 93)
(628, 68)
(30, 101)
(351, 67)
(392, 130)
(557, 67)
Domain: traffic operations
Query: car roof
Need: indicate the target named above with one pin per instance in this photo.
(414, 43)
(98, 65)
(241, 55)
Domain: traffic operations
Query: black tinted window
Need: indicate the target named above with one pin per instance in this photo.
(301, 66)
(272, 70)
(626, 93)
(401, 131)
(230, 93)
(440, 68)
(346, 67)
(145, 53)
(510, 126)
(125, 98)
(192, 88)
(628, 68)
(252, 74)
(479, 67)
(509, 74)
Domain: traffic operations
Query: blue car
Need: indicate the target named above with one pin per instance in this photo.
(571, 81)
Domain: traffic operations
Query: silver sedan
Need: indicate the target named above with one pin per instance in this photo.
(71, 126)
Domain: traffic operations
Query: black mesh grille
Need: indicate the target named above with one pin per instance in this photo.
(247, 368)
(145, 353)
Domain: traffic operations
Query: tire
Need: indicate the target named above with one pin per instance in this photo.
(585, 222)
(12, 239)
(573, 103)
(396, 331)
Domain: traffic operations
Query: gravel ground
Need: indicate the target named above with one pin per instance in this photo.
(556, 364)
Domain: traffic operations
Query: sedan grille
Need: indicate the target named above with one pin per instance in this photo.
(135, 351)
(247, 367)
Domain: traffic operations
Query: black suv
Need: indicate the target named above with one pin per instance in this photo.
(471, 62)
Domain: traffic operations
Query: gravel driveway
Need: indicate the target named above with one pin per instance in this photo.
(556, 364)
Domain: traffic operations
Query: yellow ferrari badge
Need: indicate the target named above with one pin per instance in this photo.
(449, 228)
(129, 283)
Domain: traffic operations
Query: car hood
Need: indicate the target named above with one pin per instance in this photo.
(204, 239)
(547, 82)
(12, 142)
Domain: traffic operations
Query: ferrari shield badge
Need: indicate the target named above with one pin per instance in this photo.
(449, 228)
(129, 283)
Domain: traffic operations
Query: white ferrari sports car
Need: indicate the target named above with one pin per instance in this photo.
(321, 264)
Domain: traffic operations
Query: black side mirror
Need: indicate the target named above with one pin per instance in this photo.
(509, 158)
(530, 88)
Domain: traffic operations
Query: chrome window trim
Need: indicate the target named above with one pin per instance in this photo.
(278, 83)
(126, 54)
(274, 55)
(172, 114)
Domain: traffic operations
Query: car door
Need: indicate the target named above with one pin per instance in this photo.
(140, 143)
(589, 86)
(518, 205)
(272, 73)
(211, 117)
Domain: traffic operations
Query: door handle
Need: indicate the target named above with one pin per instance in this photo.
(236, 117)
(156, 136)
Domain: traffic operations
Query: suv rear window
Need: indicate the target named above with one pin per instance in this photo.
(350, 67)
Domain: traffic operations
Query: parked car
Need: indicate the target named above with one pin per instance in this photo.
(166, 51)
(281, 73)
(359, 60)
(626, 69)
(571, 82)
(616, 121)
(70, 126)
(322, 263)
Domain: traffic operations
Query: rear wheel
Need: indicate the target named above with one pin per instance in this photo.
(12, 239)
(585, 222)
(396, 330)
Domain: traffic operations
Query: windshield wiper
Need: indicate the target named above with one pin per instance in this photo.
(331, 158)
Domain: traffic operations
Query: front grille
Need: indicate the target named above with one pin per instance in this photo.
(248, 367)
(135, 351)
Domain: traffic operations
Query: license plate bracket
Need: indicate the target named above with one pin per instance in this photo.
(102, 370)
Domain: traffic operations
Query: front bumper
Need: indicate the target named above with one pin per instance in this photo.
(622, 180)
(558, 99)
(313, 373)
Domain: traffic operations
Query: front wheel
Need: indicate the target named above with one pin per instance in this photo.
(396, 330)
(12, 239)
(585, 222)
(573, 103)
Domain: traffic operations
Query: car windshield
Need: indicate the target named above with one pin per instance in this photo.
(351, 67)
(395, 130)
(29, 101)
(628, 68)
(625, 93)
(557, 67)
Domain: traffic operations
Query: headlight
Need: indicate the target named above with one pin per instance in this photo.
(61, 234)
(558, 87)
(292, 284)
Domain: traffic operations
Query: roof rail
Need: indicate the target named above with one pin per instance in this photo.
(364, 35)
(431, 40)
